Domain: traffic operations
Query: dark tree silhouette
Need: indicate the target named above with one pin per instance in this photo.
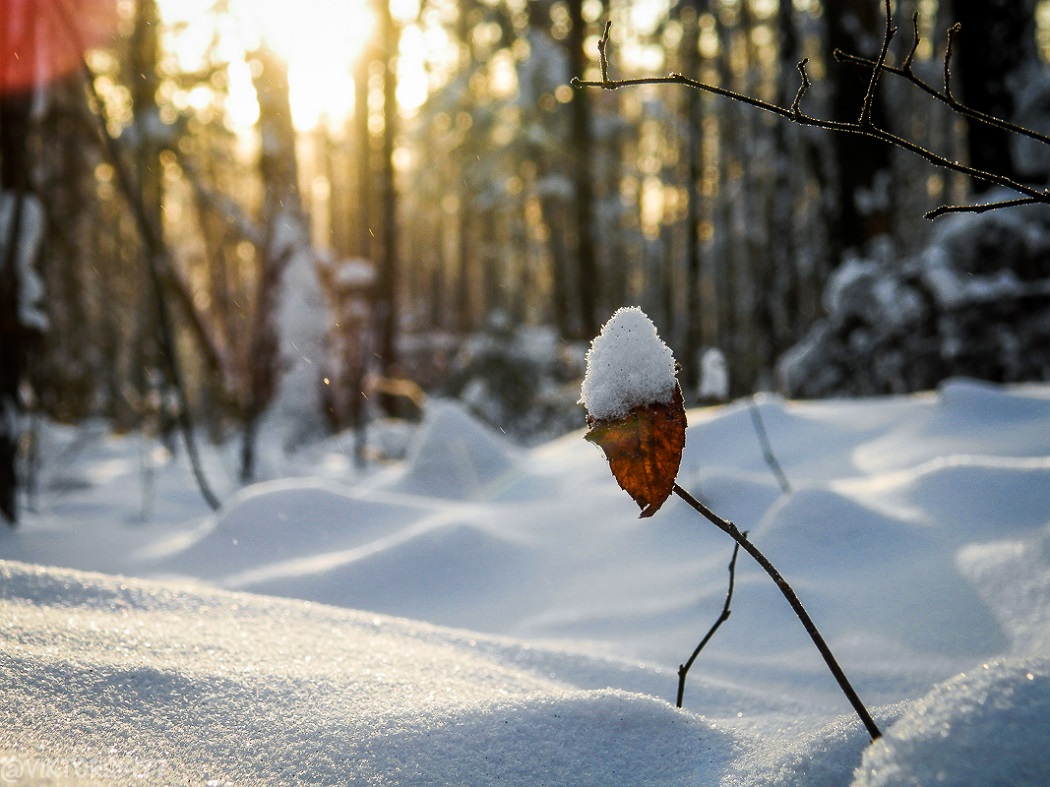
(995, 45)
(15, 336)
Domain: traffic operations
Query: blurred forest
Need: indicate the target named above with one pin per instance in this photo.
(195, 248)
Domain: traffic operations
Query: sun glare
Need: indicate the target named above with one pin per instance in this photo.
(319, 39)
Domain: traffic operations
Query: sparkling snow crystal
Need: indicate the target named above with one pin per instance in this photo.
(628, 365)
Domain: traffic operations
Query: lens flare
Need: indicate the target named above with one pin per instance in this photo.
(44, 40)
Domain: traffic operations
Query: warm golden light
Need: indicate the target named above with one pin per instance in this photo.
(319, 39)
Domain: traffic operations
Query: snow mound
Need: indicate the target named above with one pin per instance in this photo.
(448, 573)
(276, 521)
(986, 727)
(826, 757)
(597, 738)
(1013, 577)
(120, 682)
(812, 443)
(628, 365)
(806, 530)
(998, 421)
(456, 457)
(855, 554)
(979, 496)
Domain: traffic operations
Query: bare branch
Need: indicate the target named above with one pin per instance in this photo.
(730, 529)
(984, 207)
(864, 126)
(906, 73)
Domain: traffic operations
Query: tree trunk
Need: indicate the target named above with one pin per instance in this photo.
(148, 366)
(694, 173)
(992, 50)
(386, 310)
(779, 310)
(362, 243)
(581, 145)
(286, 357)
(554, 210)
(860, 209)
(16, 253)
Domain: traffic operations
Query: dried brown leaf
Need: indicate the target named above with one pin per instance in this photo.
(644, 449)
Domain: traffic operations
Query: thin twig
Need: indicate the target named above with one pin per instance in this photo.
(985, 207)
(804, 85)
(603, 57)
(683, 670)
(869, 96)
(915, 40)
(767, 448)
(948, 52)
(807, 622)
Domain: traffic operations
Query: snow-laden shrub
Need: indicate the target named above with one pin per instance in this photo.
(975, 302)
(521, 380)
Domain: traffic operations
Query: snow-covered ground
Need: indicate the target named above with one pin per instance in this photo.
(481, 614)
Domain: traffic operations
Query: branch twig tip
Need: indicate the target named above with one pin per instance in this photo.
(803, 88)
(906, 65)
(603, 57)
(949, 50)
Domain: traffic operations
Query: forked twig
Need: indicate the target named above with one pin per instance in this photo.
(865, 125)
(683, 670)
(785, 589)
(905, 71)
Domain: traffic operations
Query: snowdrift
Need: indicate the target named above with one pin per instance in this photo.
(480, 614)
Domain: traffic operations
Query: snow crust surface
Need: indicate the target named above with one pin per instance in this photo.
(628, 365)
(510, 620)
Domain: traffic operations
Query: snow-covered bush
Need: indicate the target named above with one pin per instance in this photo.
(974, 302)
(523, 380)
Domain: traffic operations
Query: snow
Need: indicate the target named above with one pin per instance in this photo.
(714, 376)
(294, 417)
(628, 365)
(480, 614)
(31, 312)
(1006, 700)
(355, 274)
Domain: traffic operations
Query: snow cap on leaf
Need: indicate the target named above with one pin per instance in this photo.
(635, 407)
(628, 366)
